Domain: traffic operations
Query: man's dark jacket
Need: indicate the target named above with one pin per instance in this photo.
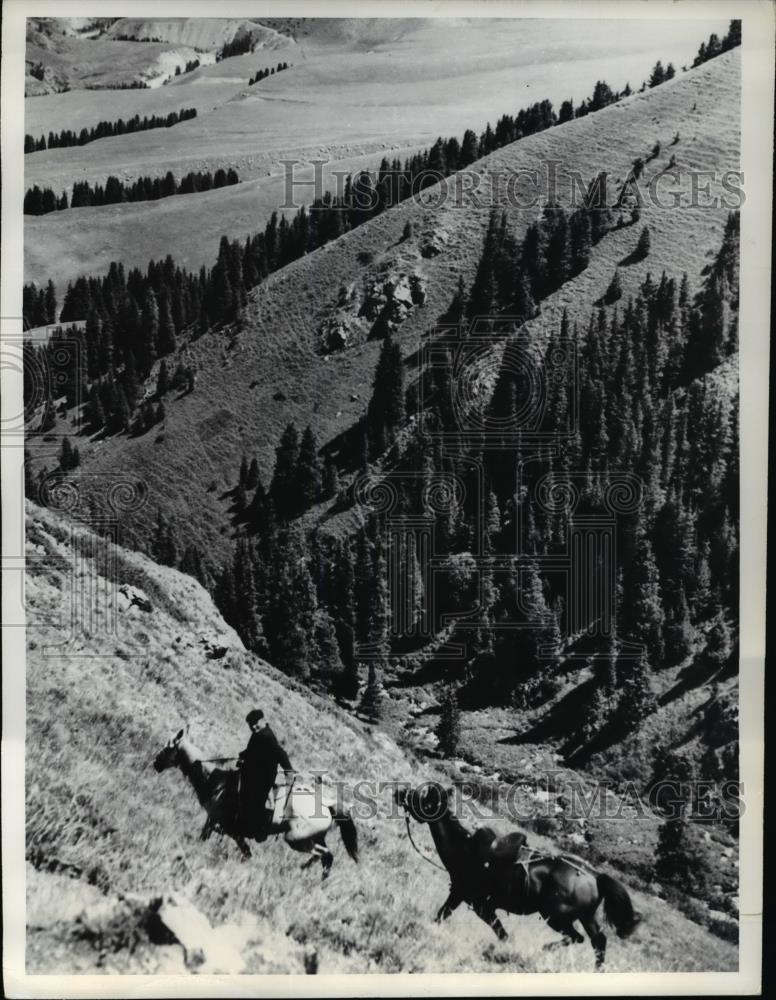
(259, 768)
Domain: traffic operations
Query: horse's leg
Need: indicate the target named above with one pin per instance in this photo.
(485, 911)
(317, 853)
(323, 852)
(451, 903)
(597, 938)
(207, 829)
(565, 927)
(245, 851)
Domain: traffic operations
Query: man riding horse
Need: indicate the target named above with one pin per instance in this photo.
(259, 763)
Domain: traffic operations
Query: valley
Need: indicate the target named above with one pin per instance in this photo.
(352, 446)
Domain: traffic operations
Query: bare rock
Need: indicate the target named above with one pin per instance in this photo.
(133, 597)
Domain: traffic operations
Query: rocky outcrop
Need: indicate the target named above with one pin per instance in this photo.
(388, 300)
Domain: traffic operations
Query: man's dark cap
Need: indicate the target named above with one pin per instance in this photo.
(254, 716)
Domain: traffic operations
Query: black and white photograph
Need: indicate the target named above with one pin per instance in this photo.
(380, 592)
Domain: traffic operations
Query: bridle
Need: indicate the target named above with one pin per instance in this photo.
(415, 846)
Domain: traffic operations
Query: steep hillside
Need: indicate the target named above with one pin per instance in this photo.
(86, 240)
(70, 60)
(203, 33)
(277, 369)
(65, 54)
(100, 820)
(342, 97)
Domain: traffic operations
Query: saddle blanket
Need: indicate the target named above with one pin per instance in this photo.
(308, 798)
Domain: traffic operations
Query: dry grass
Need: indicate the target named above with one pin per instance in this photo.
(97, 811)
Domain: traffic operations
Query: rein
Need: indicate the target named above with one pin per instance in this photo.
(425, 858)
(534, 855)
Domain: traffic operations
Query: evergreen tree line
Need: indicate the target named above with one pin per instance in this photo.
(115, 191)
(262, 74)
(122, 85)
(191, 65)
(238, 46)
(715, 47)
(105, 129)
(39, 305)
(301, 480)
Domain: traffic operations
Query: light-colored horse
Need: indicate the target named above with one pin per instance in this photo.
(303, 813)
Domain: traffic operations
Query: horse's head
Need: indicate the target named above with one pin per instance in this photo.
(426, 803)
(168, 755)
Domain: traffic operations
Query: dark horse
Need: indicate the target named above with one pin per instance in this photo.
(305, 820)
(557, 888)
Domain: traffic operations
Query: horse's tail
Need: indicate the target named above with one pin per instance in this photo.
(618, 907)
(348, 831)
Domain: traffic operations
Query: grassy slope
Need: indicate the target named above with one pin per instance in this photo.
(347, 93)
(96, 809)
(86, 240)
(233, 409)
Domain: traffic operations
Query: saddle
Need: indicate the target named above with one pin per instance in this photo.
(493, 851)
(504, 862)
(299, 808)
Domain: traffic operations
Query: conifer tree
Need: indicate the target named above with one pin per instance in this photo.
(51, 303)
(284, 479)
(329, 478)
(614, 291)
(256, 511)
(637, 699)
(95, 411)
(293, 603)
(327, 648)
(678, 631)
(66, 455)
(457, 309)
(643, 245)
(247, 620)
(252, 477)
(162, 380)
(658, 75)
(371, 701)
(166, 341)
(676, 863)
(643, 615)
(150, 326)
(225, 593)
(308, 472)
(448, 729)
(719, 646)
(385, 413)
